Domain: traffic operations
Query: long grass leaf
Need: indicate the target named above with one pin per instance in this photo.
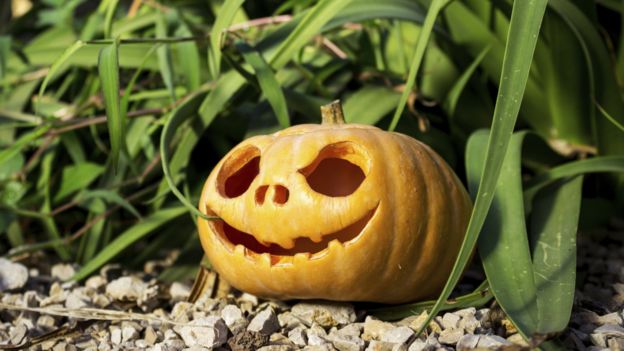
(110, 197)
(125, 98)
(452, 98)
(553, 226)
(503, 242)
(164, 57)
(217, 32)
(77, 177)
(423, 39)
(310, 25)
(179, 116)
(59, 63)
(108, 18)
(129, 237)
(522, 37)
(267, 81)
(108, 67)
(21, 143)
(479, 297)
(187, 51)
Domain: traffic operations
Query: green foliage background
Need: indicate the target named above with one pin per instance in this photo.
(113, 113)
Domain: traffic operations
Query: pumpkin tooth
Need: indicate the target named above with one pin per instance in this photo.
(240, 250)
(335, 244)
(265, 259)
(301, 257)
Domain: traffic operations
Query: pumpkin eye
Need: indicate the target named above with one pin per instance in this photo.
(338, 170)
(238, 171)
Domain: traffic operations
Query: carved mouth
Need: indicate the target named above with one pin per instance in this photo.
(236, 240)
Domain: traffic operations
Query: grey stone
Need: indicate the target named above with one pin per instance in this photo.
(616, 344)
(468, 342)
(450, 336)
(179, 292)
(420, 345)
(469, 323)
(248, 341)
(208, 332)
(450, 321)
(316, 335)
(234, 319)
(76, 300)
(374, 329)
(115, 334)
(46, 322)
(129, 331)
(325, 314)
(324, 347)
(470, 311)
(376, 345)
(399, 335)
(298, 336)
(126, 288)
(492, 341)
(62, 271)
(288, 321)
(95, 282)
(12, 275)
(150, 336)
(277, 348)
(354, 329)
(264, 322)
(18, 333)
(347, 342)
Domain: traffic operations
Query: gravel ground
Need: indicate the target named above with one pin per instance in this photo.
(119, 310)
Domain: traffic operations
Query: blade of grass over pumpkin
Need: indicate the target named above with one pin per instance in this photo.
(310, 25)
(224, 18)
(179, 116)
(267, 81)
(164, 57)
(503, 243)
(58, 64)
(479, 297)
(452, 98)
(129, 237)
(553, 224)
(421, 45)
(522, 37)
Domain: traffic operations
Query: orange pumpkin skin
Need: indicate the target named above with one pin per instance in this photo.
(405, 220)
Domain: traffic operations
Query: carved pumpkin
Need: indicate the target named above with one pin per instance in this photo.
(334, 211)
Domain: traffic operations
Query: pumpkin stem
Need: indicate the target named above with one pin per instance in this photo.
(332, 113)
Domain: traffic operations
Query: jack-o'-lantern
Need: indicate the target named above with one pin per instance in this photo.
(334, 211)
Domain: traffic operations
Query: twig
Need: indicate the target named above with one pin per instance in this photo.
(85, 122)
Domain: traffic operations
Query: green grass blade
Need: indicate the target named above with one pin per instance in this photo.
(8, 153)
(217, 33)
(179, 116)
(125, 98)
(189, 53)
(77, 177)
(553, 226)
(421, 45)
(599, 164)
(267, 81)
(503, 242)
(310, 25)
(129, 237)
(110, 197)
(59, 63)
(370, 104)
(477, 298)
(108, 67)
(5, 50)
(522, 37)
(164, 57)
(108, 18)
(452, 98)
(606, 114)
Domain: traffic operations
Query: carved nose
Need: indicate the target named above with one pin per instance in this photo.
(277, 193)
